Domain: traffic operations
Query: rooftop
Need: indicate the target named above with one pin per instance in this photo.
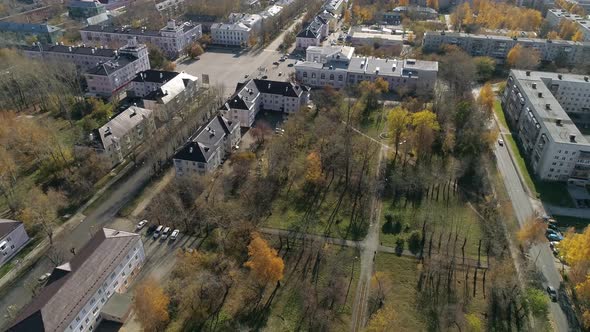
(377, 35)
(121, 124)
(171, 88)
(7, 226)
(128, 30)
(550, 114)
(501, 38)
(111, 66)
(155, 76)
(391, 67)
(203, 145)
(28, 27)
(71, 285)
(81, 50)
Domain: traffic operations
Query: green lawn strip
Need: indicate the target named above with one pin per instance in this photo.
(402, 274)
(456, 217)
(21, 254)
(500, 113)
(288, 306)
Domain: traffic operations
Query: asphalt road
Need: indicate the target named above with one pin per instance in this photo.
(523, 208)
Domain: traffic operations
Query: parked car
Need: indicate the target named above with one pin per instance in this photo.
(552, 293)
(554, 237)
(44, 277)
(276, 63)
(280, 73)
(282, 59)
(174, 234)
(165, 233)
(151, 229)
(158, 231)
(553, 227)
(264, 77)
(290, 65)
(141, 224)
(501, 142)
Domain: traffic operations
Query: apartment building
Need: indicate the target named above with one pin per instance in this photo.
(313, 34)
(171, 39)
(414, 12)
(168, 94)
(555, 16)
(208, 148)
(13, 237)
(339, 71)
(76, 291)
(544, 110)
(574, 53)
(111, 78)
(125, 132)
(361, 38)
(18, 33)
(255, 95)
(170, 6)
(85, 8)
(324, 54)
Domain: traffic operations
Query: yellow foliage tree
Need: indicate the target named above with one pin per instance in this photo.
(264, 260)
(486, 99)
(578, 36)
(432, 4)
(398, 120)
(151, 304)
(532, 232)
(522, 58)
(382, 320)
(575, 247)
(425, 125)
(474, 324)
(313, 169)
(552, 35)
(404, 2)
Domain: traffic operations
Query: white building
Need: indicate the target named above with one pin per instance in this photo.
(253, 95)
(361, 38)
(271, 11)
(13, 237)
(313, 34)
(77, 290)
(110, 78)
(171, 39)
(341, 69)
(208, 148)
(166, 93)
(543, 109)
(125, 132)
(237, 31)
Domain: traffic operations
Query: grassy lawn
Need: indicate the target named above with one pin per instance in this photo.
(289, 213)
(578, 223)
(401, 273)
(456, 216)
(550, 192)
(288, 308)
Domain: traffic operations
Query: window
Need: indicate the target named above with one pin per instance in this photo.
(312, 75)
(340, 78)
(304, 74)
(331, 77)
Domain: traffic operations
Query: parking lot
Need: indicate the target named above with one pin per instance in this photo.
(228, 66)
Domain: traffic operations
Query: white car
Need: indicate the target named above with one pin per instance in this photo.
(174, 234)
(501, 142)
(141, 224)
(44, 277)
(165, 233)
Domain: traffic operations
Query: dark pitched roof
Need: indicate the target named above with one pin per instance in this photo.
(202, 146)
(28, 27)
(71, 285)
(308, 33)
(287, 89)
(7, 226)
(237, 102)
(155, 76)
(111, 66)
(83, 50)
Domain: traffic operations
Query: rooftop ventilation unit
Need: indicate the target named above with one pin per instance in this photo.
(558, 122)
(573, 138)
(547, 106)
(534, 86)
(540, 94)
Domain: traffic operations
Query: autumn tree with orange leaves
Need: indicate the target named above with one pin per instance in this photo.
(532, 232)
(486, 99)
(151, 305)
(264, 261)
(313, 169)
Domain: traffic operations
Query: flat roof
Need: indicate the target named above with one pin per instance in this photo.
(559, 133)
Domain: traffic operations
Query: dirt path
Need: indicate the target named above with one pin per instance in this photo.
(369, 247)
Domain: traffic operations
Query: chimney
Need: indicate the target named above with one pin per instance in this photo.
(534, 86)
(558, 121)
(586, 78)
(540, 94)
(560, 76)
(547, 106)
(161, 75)
(528, 73)
(70, 49)
(573, 138)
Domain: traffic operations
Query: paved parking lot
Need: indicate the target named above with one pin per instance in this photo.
(228, 66)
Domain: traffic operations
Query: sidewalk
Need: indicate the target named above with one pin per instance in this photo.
(38, 252)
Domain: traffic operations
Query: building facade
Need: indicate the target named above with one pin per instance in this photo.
(403, 75)
(313, 34)
(573, 53)
(544, 110)
(13, 237)
(414, 12)
(112, 77)
(76, 291)
(168, 94)
(555, 16)
(82, 9)
(21, 33)
(209, 147)
(125, 132)
(171, 39)
(255, 95)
